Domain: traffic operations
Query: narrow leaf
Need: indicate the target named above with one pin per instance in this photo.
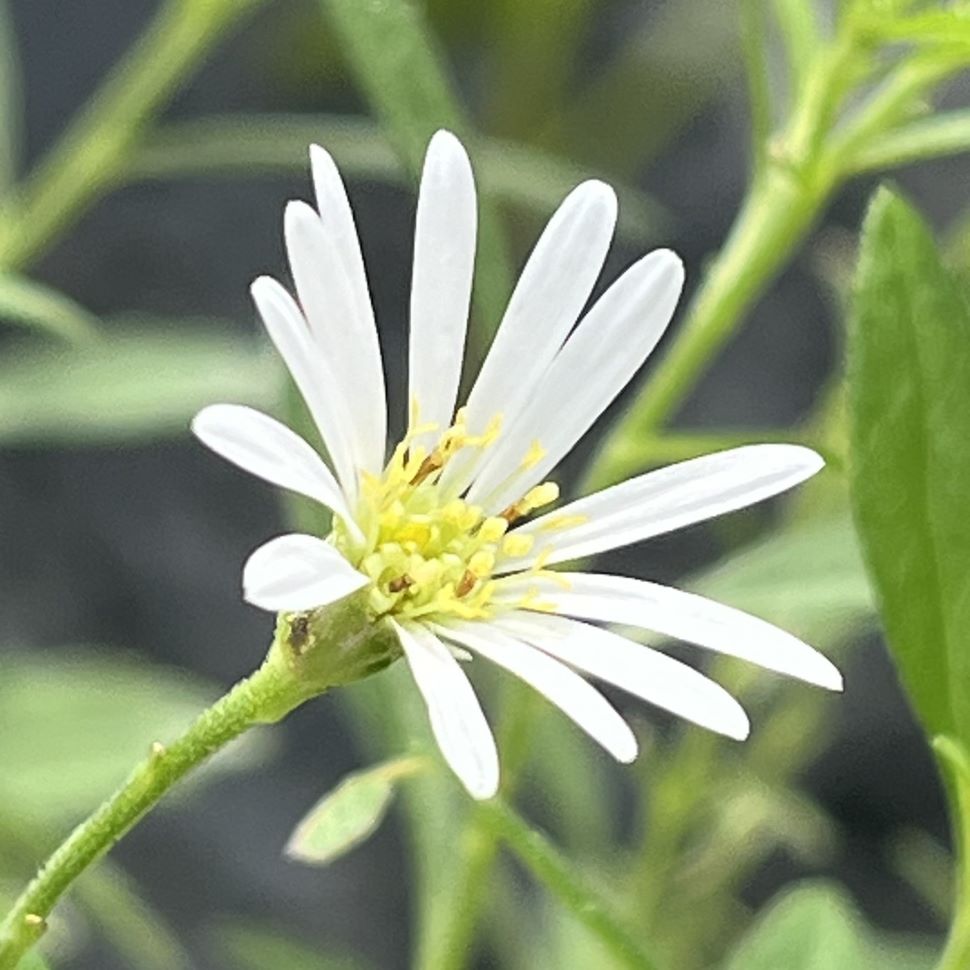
(132, 385)
(909, 360)
(93, 714)
(27, 303)
(512, 172)
(250, 947)
(813, 927)
(350, 814)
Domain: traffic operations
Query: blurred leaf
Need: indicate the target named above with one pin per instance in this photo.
(260, 948)
(30, 304)
(132, 385)
(943, 133)
(669, 68)
(33, 961)
(939, 27)
(909, 360)
(11, 100)
(532, 47)
(811, 927)
(127, 922)
(395, 61)
(510, 171)
(350, 814)
(92, 715)
(816, 926)
(806, 577)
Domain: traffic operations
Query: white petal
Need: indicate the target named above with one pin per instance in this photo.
(264, 447)
(667, 499)
(457, 721)
(441, 284)
(337, 216)
(652, 676)
(577, 699)
(685, 616)
(298, 572)
(343, 330)
(596, 363)
(550, 295)
(312, 374)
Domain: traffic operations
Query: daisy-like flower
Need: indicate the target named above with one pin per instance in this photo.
(443, 536)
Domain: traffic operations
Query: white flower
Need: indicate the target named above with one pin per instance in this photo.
(442, 535)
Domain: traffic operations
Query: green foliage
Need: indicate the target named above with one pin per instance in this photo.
(910, 404)
(396, 62)
(27, 303)
(514, 173)
(350, 814)
(132, 385)
(11, 101)
(33, 961)
(812, 927)
(102, 711)
(251, 947)
(815, 926)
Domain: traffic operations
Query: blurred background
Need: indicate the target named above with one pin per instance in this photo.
(122, 539)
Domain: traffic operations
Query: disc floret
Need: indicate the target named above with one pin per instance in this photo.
(426, 551)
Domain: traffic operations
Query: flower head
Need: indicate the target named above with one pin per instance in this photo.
(454, 535)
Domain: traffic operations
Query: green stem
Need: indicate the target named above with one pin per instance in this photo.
(331, 646)
(87, 158)
(773, 219)
(245, 705)
(480, 844)
(954, 757)
(561, 877)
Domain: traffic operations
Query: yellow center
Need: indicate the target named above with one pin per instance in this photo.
(428, 552)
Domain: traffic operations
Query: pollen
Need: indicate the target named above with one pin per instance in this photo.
(428, 553)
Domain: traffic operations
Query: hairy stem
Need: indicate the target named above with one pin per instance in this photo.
(245, 705)
(329, 647)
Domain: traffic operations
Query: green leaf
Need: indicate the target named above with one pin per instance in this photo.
(943, 133)
(33, 961)
(512, 172)
(909, 371)
(262, 948)
(74, 722)
(936, 27)
(812, 927)
(395, 60)
(127, 922)
(27, 303)
(350, 814)
(806, 577)
(11, 100)
(132, 385)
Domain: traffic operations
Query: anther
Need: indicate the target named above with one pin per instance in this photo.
(434, 462)
(400, 584)
(466, 584)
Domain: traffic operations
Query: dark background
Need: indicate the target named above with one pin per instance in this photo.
(141, 547)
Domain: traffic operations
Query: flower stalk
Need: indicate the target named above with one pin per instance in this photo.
(310, 653)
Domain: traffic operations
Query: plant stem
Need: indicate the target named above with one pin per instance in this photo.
(480, 844)
(333, 645)
(96, 144)
(561, 877)
(258, 699)
(773, 219)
